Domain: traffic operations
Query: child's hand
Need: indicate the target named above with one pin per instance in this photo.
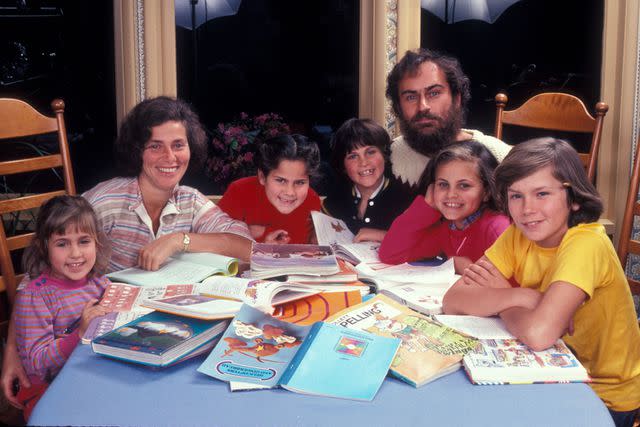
(428, 197)
(257, 230)
(369, 235)
(484, 273)
(90, 312)
(277, 237)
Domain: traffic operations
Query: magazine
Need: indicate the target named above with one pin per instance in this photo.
(428, 349)
(335, 233)
(124, 303)
(419, 287)
(186, 268)
(269, 260)
(259, 349)
(509, 361)
(222, 297)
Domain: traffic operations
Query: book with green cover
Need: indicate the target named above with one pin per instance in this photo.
(181, 268)
(428, 349)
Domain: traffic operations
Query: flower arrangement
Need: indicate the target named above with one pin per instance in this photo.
(233, 145)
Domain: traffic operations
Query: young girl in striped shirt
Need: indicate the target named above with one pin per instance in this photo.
(67, 257)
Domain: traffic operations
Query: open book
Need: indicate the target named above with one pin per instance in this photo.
(323, 359)
(500, 358)
(182, 268)
(334, 232)
(269, 260)
(419, 287)
(428, 349)
(125, 304)
(222, 297)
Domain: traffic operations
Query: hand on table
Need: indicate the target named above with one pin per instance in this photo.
(370, 235)
(278, 237)
(155, 253)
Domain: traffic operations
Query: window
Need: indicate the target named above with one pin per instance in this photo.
(297, 59)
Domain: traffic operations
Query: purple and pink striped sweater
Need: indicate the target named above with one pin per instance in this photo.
(44, 309)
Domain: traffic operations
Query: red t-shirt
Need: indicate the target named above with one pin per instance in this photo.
(246, 200)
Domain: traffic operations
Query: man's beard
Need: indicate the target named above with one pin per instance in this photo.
(444, 133)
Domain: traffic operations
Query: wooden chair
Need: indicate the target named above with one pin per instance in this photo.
(627, 244)
(556, 111)
(17, 120)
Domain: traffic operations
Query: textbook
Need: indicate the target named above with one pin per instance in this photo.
(419, 287)
(335, 233)
(185, 268)
(124, 304)
(221, 297)
(158, 339)
(428, 349)
(509, 361)
(347, 274)
(323, 359)
(269, 260)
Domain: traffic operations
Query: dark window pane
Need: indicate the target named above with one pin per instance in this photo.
(534, 46)
(298, 59)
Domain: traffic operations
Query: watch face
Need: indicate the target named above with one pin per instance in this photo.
(186, 239)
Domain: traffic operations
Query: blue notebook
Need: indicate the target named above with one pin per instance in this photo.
(322, 359)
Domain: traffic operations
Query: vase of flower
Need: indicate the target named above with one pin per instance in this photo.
(233, 146)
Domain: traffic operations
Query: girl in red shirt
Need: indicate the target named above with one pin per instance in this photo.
(276, 204)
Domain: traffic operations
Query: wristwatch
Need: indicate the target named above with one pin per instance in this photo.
(185, 242)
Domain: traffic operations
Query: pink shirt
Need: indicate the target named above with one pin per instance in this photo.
(45, 314)
(421, 232)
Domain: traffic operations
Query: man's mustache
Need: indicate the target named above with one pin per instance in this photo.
(428, 116)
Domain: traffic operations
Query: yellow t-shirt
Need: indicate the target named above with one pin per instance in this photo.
(606, 336)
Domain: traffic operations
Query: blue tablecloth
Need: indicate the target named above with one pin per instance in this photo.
(92, 390)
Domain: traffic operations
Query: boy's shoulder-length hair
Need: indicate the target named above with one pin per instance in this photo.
(530, 156)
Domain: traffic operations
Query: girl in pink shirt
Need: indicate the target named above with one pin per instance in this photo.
(456, 217)
(67, 256)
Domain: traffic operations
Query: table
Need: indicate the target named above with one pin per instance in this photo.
(91, 389)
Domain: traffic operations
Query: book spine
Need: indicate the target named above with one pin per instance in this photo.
(288, 373)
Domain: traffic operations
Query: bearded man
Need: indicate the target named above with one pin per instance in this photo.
(429, 94)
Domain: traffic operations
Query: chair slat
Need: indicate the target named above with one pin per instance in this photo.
(553, 111)
(19, 242)
(20, 119)
(29, 165)
(27, 202)
(634, 247)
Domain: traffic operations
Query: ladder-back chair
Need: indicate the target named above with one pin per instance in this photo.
(627, 244)
(559, 112)
(18, 120)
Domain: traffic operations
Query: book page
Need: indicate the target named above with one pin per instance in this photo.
(362, 251)
(443, 274)
(123, 297)
(330, 231)
(479, 327)
(174, 271)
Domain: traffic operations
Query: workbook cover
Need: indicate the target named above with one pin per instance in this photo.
(322, 359)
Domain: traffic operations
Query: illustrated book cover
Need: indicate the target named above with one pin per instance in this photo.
(323, 359)
(428, 349)
(124, 304)
(158, 339)
(181, 268)
(509, 361)
(270, 260)
(335, 233)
